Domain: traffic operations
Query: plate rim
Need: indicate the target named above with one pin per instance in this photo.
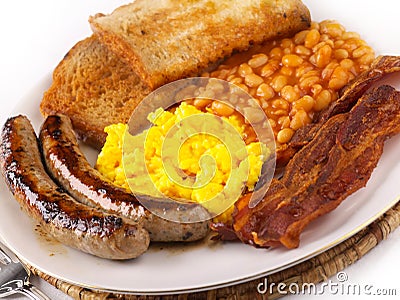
(217, 285)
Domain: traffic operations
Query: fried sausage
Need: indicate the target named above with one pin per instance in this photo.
(68, 165)
(67, 220)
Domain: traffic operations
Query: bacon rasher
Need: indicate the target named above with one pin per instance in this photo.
(337, 159)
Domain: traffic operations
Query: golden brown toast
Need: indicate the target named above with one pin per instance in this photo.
(169, 39)
(94, 88)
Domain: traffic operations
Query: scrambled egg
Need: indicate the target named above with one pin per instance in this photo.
(143, 168)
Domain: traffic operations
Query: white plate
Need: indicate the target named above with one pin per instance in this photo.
(176, 269)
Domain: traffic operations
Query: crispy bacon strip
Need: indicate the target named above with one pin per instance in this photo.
(382, 66)
(335, 163)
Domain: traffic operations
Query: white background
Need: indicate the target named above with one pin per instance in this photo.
(35, 35)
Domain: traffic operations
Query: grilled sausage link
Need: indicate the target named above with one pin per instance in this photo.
(70, 222)
(68, 165)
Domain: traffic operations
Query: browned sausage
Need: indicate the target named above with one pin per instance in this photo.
(68, 165)
(72, 223)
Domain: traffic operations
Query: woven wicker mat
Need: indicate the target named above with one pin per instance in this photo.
(314, 270)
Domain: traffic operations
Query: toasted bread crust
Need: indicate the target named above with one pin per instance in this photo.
(96, 84)
(94, 88)
(168, 40)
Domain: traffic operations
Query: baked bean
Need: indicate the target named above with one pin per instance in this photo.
(312, 38)
(315, 25)
(311, 73)
(350, 35)
(323, 56)
(333, 29)
(201, 103)
(307, 82)
(300, 119)
(303, 69)
(316, 89)
(339, 78)
(265, 91)
(291, 60)
(322, 44)
(276, 53)
(300, 37)
(253, 80)
(302, 50)
(270, 68)
(233, 70)
(215, 85)
(289, 93)
(284, 135)
(258, 60)
(324, 38)
(350, 45)
(208, 93)
(279, 112)
(322, 100)
(280, 104)
(284, 121)
(235, 80)
(243, 87)
(287, 51)
(347, 64)
(327, 72)
(338, 44)
(287, 43)
(254, 115)
(222, 109)
(305, 103)
(360, 51)
(287, 71)
(293, 78)
(366, 59)
(341, 54)
(221, 73)
(230, 77)
(245, 69)
(279, 82)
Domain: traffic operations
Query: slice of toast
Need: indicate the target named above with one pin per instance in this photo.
(94, 88)
(169, 39)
